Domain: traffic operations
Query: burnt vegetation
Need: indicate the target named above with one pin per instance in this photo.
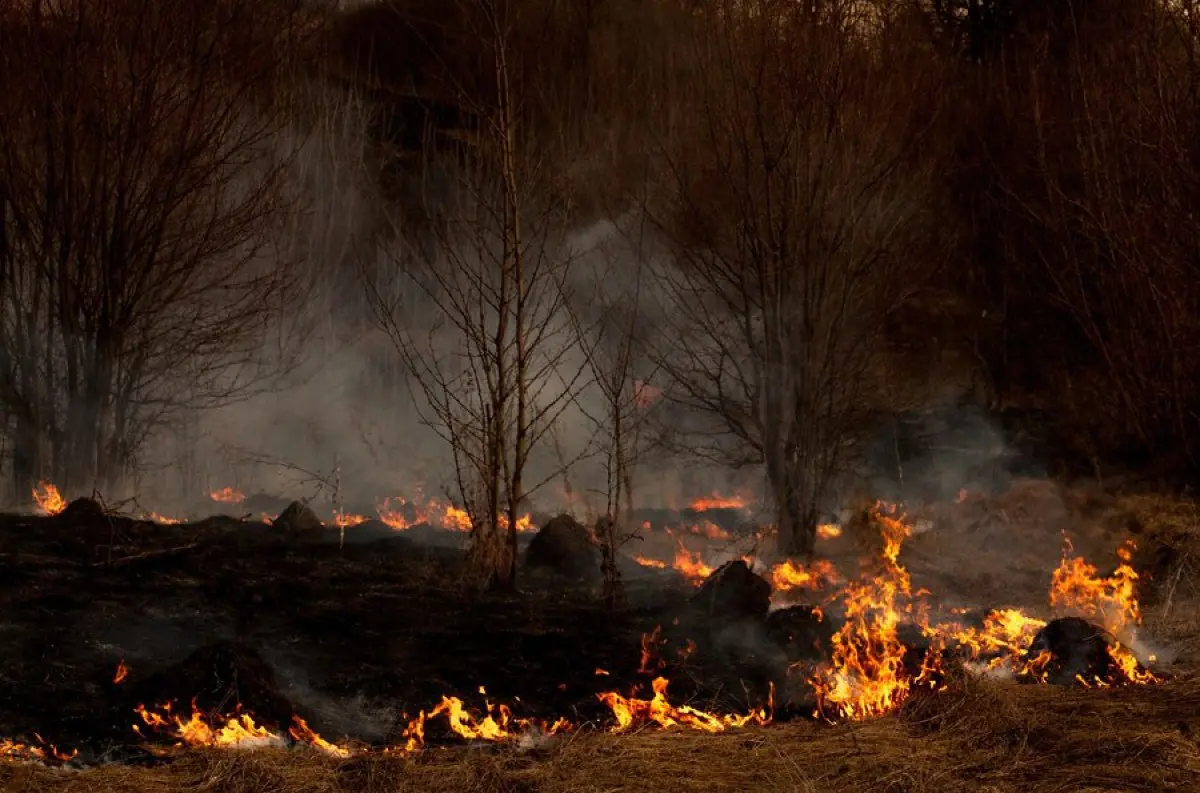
(797, 242)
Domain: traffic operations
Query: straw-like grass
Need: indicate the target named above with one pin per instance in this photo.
(977, 736)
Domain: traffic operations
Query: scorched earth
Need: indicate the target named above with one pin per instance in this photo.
(246, 652)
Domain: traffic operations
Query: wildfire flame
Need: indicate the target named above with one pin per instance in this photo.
(121, 673)
(393, 512)
(717, 501)
(789, 576)
(48, 499)
(227, 495)
(630, 712)
(238, 731)
(866, 676)
(42, 752)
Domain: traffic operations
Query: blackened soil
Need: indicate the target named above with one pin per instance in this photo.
(355, 639)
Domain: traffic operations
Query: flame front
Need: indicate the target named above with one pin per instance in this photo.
(48, 499)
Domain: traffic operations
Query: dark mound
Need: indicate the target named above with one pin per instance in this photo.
(372, 530)
(220, 677)
(733, 592)
(563, 547)
(802, 632)
(299, 518)
(81, 510)
(1076, 648)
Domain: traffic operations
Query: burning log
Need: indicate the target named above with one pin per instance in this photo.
(733, 592)
(563, 547)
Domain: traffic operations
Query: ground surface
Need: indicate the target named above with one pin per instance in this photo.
(357, 639)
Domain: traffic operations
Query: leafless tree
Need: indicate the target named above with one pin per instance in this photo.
(477, 314)
(1108, 191)
(792, 192)
(609, 322)
(142, 164)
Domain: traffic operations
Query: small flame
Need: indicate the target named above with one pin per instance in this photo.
(630, 712)
(302, 733)
(121, 673)
(227, 495)
(829, 531)
(48, 499)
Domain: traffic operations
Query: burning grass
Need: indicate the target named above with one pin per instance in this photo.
(975, 735)
(879, 688)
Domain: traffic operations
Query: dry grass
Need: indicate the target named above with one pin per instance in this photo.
(979, 735)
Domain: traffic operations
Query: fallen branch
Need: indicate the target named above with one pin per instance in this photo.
(147, 555)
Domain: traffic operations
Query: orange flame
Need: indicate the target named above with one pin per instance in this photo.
(630, 712)
(121, 674)
(866, 676)
(302, 733)
(789, 575)
(829, 531)
(227, 495)
(236, 731)
(48, 499)
(42, 752)
(717, 501)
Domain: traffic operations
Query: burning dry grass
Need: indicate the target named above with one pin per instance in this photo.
(974, 735)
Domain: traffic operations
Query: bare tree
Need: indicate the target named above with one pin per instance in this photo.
(142, 164)
(477, 313)
(610, 325)
(1107, 190)
(789, 186)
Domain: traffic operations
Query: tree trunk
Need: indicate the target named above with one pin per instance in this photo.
(797, 520)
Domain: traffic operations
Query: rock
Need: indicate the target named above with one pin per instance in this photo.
(1076, 648)
(732, 592)
(802, 632)
(299, 518)
(563, 547)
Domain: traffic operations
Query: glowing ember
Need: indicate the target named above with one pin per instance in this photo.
(121, 674)
(48, 499)
(630, 712)
(162, 519)
(227, 495)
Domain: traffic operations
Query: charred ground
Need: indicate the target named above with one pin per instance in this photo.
(352, 637)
